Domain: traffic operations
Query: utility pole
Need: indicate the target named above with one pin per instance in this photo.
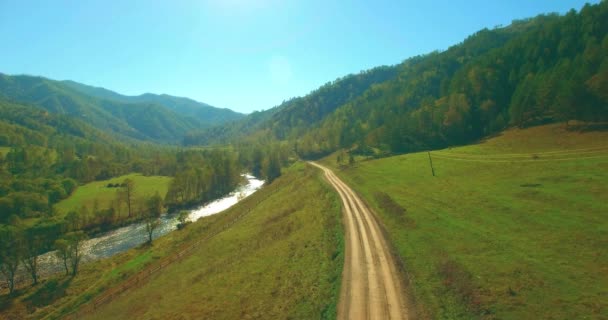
(431, 162)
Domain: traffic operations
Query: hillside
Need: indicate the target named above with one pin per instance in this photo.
(54, 168)
(206, 114)
(280, 261)
(257, 259)
(45, 156)
(143, 118)
(290, 119)
(511, 228)
(26, 124)
(545, 69)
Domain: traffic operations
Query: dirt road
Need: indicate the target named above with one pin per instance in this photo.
(371, 288)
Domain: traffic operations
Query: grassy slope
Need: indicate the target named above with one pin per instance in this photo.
(87, 194)
(283, 260)
(498, 235)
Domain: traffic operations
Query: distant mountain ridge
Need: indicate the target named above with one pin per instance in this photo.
(204, 112)
(156, 118)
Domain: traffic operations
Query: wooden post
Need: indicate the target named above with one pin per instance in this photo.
(431, 162)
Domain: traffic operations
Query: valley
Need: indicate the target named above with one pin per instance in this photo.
(282, 259)
(464, 181)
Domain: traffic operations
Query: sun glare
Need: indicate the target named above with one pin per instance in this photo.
(239, 6)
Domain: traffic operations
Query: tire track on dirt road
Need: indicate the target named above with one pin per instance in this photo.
(371, 288)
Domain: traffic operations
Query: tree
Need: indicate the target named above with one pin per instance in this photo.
(152, 223)
(154, 207)
(182, 218)
(598, 83)
(72, 220)
(75, 241)
(272, 166)
(62, 252)
(126, 194)
(31, 246)
(9, 255)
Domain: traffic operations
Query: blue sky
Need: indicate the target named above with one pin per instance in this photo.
(240, 54)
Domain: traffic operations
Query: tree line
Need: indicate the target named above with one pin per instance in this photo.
(551, 68)
(22, 247)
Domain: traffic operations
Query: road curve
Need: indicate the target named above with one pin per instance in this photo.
(371, 288)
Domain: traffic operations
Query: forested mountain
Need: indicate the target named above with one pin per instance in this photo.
(545, 69)
(550, 68)
(144, 120)
(45, 156)
(293, 117)
(204, 113)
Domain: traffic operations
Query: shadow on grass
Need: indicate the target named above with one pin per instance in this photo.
(7, 299)
(48, 293)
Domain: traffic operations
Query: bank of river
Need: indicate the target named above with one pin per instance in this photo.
(112, 242)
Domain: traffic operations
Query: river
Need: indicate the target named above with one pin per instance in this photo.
(124, 238)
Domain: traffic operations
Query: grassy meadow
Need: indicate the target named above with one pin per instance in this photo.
(98, 192)
(515, 227)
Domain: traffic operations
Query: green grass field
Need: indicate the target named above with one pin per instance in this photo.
(515, 227)
(283, 260)
(4, 150)
(86, 195)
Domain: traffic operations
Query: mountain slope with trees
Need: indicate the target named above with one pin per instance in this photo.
(154, 118)
(550, 68)
(45, 157)
(206, 114)
(545, 69)
(292, 118)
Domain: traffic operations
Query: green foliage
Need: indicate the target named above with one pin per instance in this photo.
(202, 175)
(154, 205)
(62, 252)
(154, 208)
(182, 218)
(521, 75)
(152, 223)
(10, 254)
(74, 242)
(31, 245)
(546, 69)
(293, 117)
(50, 154)
(206, 114)
(94, 206)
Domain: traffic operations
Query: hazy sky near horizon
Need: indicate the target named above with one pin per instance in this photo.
(241, 54)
